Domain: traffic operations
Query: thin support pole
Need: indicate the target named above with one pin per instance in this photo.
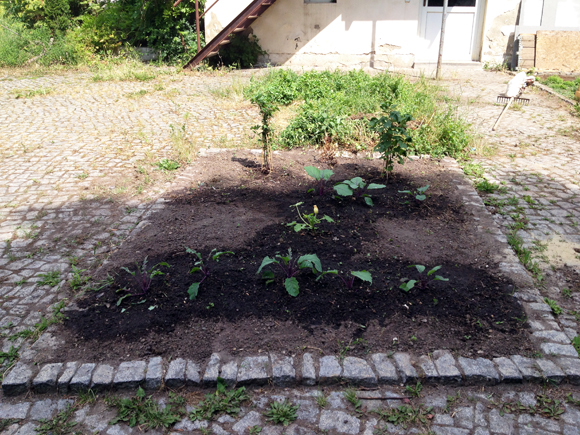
(197, 24)
(441, 41)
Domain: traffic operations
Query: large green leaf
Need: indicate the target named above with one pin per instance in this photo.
(343, 190)
(432, 271)
(326, 174)
(364, 275)
(217, 255)
(291, 285)
(265, 262)
(332, 272)
(310, 260)
(376, 186)
(193, 291)
(369, 201)
(314, 172)
(420, 268)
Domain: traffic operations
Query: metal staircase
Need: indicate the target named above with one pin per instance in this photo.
(239, 24)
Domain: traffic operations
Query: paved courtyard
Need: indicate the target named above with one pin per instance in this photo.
(78, 172)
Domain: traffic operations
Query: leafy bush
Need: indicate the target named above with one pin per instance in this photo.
(565, 87)
(242, 51)
(56, 15)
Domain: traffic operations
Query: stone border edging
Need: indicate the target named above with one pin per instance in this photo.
(280, 370)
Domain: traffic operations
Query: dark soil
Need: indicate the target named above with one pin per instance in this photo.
(232, 206)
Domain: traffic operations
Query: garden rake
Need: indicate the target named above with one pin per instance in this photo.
(513, 94)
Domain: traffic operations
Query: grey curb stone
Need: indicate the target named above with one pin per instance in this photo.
(385, 369)
(18, 380)
(571, 366)
(308, 370)
(559, 349)
(253, 370)
(212, 371)
(429, 370)
(192, 376)
(102, 377)
(229, 373)
(358, 372)
(406, 369)
(45, 381)
(527, 368)
(18, 410)
(175, 376)
(508, 371)
(70, 369)
(154, 373)
(445, 364)
(330, 370)
(551, 371)
(338, 421)
(557, 336)
(130, 374)
(479, 371)
(283, 373)
(81, 381)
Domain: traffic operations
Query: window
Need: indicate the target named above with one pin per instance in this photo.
(319, 1)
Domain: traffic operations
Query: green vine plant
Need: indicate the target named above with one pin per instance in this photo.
(309, 220)
(394, 139)
(267, 109)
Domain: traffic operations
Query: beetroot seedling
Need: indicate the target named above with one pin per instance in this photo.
(357, 188)
(348, 281)
(321, 177)
(418, 193)
(423, 280)
(290, 267)
(204, 268)
(142, 277)
(309, 220)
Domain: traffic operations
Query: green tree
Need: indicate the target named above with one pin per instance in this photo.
(57, 15)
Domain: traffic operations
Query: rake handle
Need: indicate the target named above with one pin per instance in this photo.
(502, 113)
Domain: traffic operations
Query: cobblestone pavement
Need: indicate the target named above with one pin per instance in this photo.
(72, 157)
(76, 170)
(439, 411)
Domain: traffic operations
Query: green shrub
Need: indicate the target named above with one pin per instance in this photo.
(242, 51)
(56, 15)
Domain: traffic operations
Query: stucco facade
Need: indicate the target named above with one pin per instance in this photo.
(377, 33)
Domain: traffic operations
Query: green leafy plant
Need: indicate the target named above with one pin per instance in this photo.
(309, 220)
(282, 412)
(49, 278)
(78, 280)
(268, 106)
(556, 309)
(290, 267)
(415, 391)
(204, 268)
(423, 279)
(321, 400)
(242, 52)
(394, 139)
(143, 277)
(144, 412)
(348, 281)
(403, 416)
(350, 396)
(576, 343)
(167, 165)
(357, 188)
(61, 424)
(487, 187)
(321, 177)
(222, 401)
(419, 193)
(7, 422)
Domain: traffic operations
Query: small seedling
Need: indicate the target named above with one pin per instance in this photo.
(222, 401)
(357, 188)
(556, 309)
(419, 193)
(321, 400)
(204, 268)
(282, 412)
(487, 187)
(348, 281)
(321, 177)
(60, 424)
(309, 220)
(290, 267)
(167, 165)
(50, 278)
(423, 279)
(576, 344)
(350, 395)
(415, 391)
(567, 292)
(143, 277)
(78, 280)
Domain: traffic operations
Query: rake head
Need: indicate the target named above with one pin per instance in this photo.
(505, 100)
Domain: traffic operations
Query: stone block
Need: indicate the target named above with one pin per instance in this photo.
(16, 411)
(559, 349)
(571, 367)
(212, 371)
(192, 374)
(62, 385)
(45, 381)
(550, 370)
(18, 380)
(385, 369)
(358, 372)
(428, 368)
(330, 370)
(81, 381)
(338, 421)
(253, 370)
(102, 378)
(308, 370)
(527, 368)
(508, 371)
(154, 374)
(130, 375)
(229, 373)
(283, 372)
(555, 336)
(445, 364)
(405, 368)
(479, 371)
(175, 376)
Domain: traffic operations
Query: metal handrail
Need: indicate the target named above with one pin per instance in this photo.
(197, 18)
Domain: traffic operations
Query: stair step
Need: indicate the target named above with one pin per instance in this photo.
(212, 54)
(252, 17)
(225, 41)
(239, 29)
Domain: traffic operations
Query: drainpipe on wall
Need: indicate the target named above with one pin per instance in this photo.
(441, 40)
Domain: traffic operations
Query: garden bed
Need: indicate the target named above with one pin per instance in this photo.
(232, 206)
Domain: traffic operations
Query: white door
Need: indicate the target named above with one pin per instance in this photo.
(461, 30)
